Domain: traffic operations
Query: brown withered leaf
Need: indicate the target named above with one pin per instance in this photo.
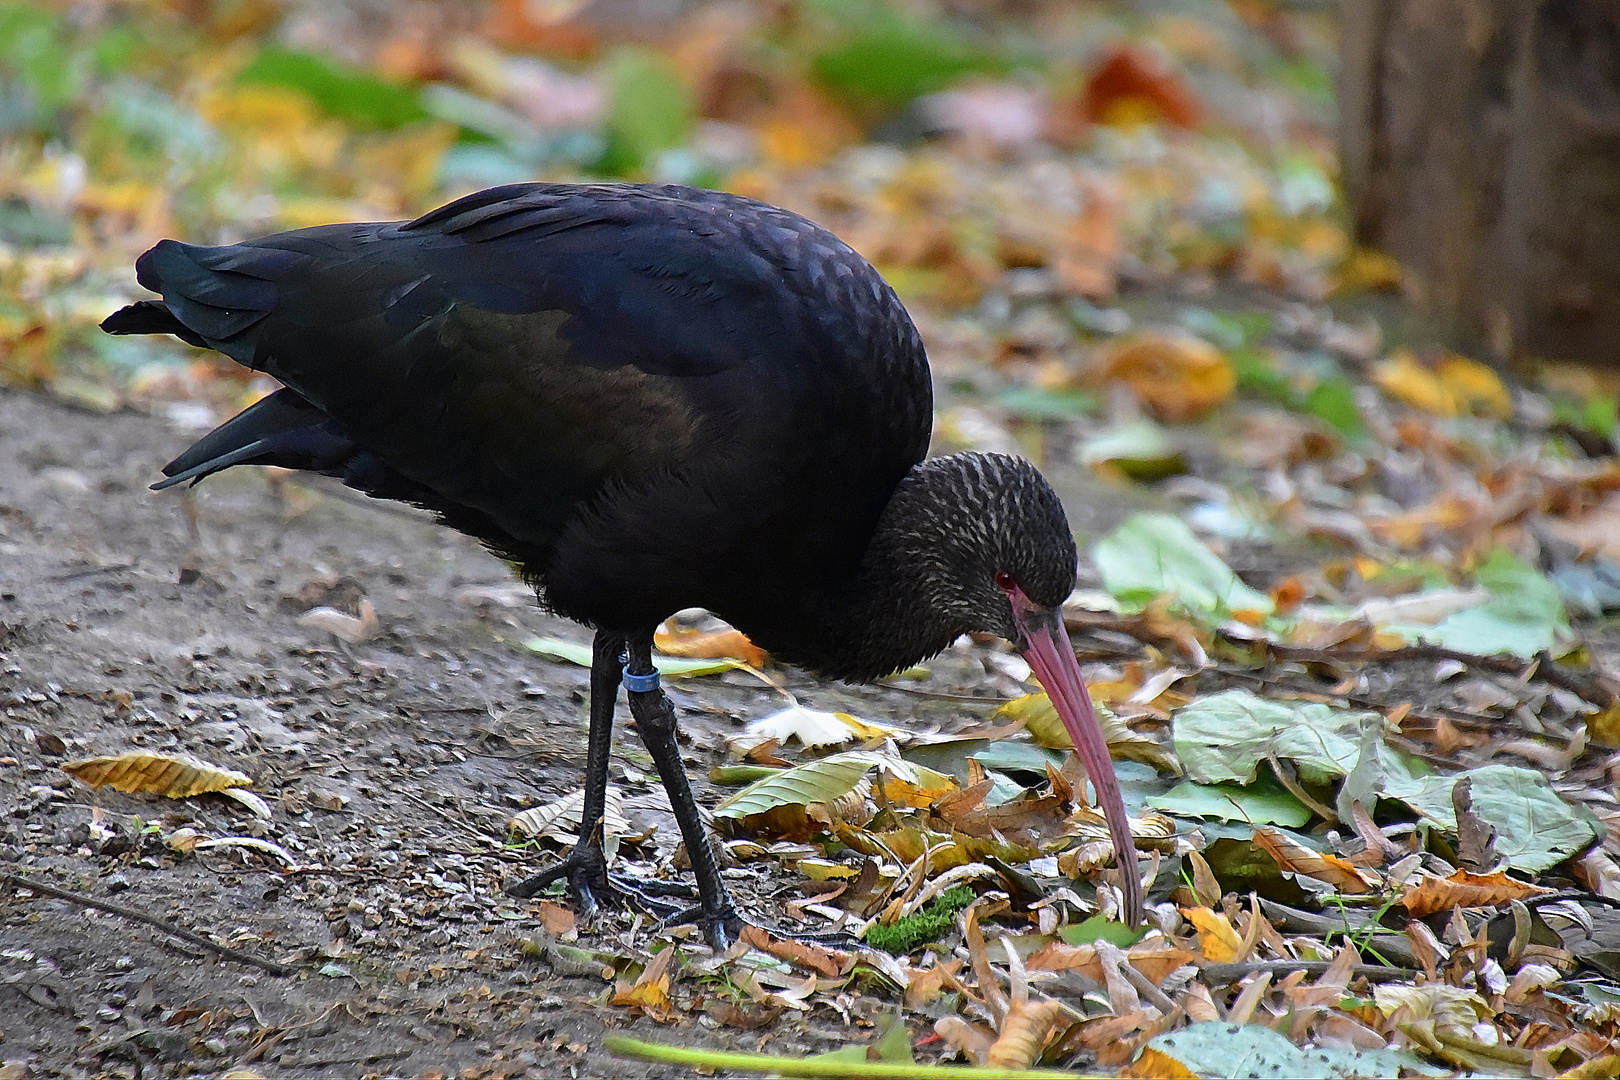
(1476, 837)
(926, 986)
(803, 953)
(1465, 889)
(1155, 958)
(1025, 1031)
(558, 920)
(169, 775)
(1296, 858)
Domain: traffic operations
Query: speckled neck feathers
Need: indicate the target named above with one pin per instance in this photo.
(929, 573)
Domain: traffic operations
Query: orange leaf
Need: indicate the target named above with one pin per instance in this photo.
(1216, 937)
(1130, 87)
(1463, 889)
(1299, 859)
(1153, 1065)
(1178, 377)
(708, 644)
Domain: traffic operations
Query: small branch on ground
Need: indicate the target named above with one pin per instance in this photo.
(20, 882)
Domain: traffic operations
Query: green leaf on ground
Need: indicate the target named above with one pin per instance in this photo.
(820, 781)
(1228, 735)
(1535, 829)
(1334, 402)
(1154, 554)
(1523, 616)
(1139, 448)
(1219, 1049)
(650, 110)
(1098, 928)
(1265, 802)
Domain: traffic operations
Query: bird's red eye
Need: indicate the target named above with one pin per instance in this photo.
(1005, 581)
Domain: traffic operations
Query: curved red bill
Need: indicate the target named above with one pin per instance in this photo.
(1045, 644)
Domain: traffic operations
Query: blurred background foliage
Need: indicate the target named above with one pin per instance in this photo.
(1014, 167)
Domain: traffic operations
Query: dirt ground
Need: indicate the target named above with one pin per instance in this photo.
(169, 621)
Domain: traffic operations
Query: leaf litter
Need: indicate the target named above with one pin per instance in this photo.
(1387, 586)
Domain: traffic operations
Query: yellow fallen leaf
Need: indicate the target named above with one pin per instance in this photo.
(1156, 1065)
(1178, 377)
(1216, 937)
(169, 775)
(650, 993)
(1455, 386)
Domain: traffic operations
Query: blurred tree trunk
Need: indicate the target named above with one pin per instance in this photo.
(1481, 148)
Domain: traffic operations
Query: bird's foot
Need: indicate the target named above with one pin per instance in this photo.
(722, 929)
(591, 886)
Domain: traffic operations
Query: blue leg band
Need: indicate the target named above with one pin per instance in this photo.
(640, 684)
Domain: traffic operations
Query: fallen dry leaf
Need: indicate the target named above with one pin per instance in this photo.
(676, 640)
(649, 993)
(1216, 937)
(1025, 1031)
(1296, 858)
(1177, 377)
(1465, 889)
(803, 953)
(169, 775)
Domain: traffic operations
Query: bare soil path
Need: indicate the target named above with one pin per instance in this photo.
(170, 622)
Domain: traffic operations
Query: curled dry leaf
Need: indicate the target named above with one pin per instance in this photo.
(1464, 889)
(341, 624)
(1296, 858)
(972, 1041)
(803, 953)
(675, 640)
(559, 820)
(169, 775)
(1025, 1031)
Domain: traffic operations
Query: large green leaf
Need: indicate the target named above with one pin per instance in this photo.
(1155, 554)
(649, 110)
(1218, 1049)
(1535, 829)
(1523, 616)
(1228, 735)
(1265, 803)
(346, 93)
(818, 781)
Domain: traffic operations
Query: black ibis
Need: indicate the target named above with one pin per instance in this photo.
(648, 398)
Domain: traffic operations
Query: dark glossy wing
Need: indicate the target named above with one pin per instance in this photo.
(527, 349)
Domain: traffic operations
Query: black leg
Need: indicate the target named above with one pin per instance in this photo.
(585, 867)
(655, 719)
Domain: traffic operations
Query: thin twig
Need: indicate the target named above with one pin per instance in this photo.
(1222, 974)
(169, 928)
